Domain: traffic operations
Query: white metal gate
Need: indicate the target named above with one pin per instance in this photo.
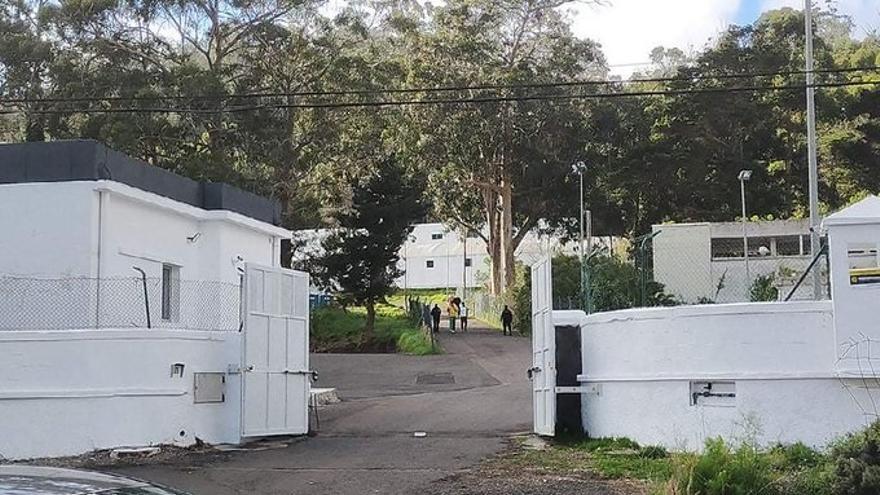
(543, 370)
(275, 352)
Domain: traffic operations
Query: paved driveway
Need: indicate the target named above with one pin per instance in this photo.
(468, 401)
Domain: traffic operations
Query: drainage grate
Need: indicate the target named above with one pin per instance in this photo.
(435, 379)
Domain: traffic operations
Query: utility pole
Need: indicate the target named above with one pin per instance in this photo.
(811, 148)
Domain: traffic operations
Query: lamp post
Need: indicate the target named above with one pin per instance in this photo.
(745, 175)
(579, 168)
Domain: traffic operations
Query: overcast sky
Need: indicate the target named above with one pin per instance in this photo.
(629, 29)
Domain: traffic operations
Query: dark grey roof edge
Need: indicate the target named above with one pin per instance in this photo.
(78, 160)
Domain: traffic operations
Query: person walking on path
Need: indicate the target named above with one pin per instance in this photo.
(463, 314)
(452, 311)
(435, 318)
(507, 321)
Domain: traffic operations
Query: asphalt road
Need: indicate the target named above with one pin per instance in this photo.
(468, 401)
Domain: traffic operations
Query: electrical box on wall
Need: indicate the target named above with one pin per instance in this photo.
(209, 388)
(713, 394)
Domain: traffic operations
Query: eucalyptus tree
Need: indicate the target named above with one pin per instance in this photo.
(496, 165)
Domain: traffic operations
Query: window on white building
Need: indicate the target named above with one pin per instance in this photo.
(468, 262)
(760, 246)
(436, 236)
(170, 292)
(429, 264)
(788, 245)
(727, 247)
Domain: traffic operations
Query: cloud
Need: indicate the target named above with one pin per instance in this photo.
(629, 29)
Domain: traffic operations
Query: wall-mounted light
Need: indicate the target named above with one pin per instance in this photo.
(195, 237)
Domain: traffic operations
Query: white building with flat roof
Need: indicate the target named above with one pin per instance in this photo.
(436, 257)
(139, 307)
(702, 262)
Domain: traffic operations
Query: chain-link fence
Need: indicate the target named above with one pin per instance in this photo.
(697, 264)
(89, 303)
(485, 307)
(693, 264)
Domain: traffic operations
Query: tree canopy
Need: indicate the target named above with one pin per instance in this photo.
(280, 98)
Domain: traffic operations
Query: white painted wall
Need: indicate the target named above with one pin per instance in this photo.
(102, 229)
(857, 336)
(56, 229)
(47, 234)
(68, 389)
(68, 392)
(639, 365)
(683, 262)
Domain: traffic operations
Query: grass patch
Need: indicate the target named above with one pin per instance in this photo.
(335, 329)
(850, 466)
(612, 458)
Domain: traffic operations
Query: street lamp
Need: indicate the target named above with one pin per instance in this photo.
(745, 175)
(580, 168)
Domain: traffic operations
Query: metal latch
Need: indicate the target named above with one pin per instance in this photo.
(531, 371)
(312, 373)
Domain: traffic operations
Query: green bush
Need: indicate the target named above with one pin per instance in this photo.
(720, 470)
(856, 462)
(614, 283)
(762, 289)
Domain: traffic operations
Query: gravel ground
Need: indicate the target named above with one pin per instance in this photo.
(502, 476)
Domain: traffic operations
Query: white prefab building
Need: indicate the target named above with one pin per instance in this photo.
(436, 257)
(139, 307)
(768, 372)
(700, 262)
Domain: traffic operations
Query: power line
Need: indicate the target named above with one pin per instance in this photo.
(481, 87)
(445, 101)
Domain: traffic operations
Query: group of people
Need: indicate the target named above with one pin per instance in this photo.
(456, 309)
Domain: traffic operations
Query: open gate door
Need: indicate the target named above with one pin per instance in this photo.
(275, 352)
(543, 370)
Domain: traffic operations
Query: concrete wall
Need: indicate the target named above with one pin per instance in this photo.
(103, 228)
(47, 235)
(85, 231)
(68, 392)
(683, 262)
(639, 366)
(856, 332)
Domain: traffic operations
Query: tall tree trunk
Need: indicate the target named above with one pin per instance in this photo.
(490, 203)
(369, 330)
(507, 247)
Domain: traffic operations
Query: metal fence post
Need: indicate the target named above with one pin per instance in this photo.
(146, 294)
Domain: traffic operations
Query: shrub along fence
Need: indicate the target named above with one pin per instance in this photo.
(419, 313)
